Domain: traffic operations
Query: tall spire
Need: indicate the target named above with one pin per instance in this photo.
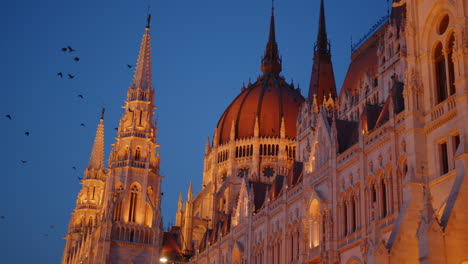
(142, 76)
(321, 46)
(322, 81)
(96, 161)
(271, 61)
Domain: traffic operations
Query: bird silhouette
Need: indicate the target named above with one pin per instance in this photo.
(8, 116)
(60, 74)
(79, 178)
(71, 76)
(82, 124)
(116, 128)
(2, 217)
(70, 49)
(76, 59)
(129, 66)
(64, 49)
(27, 133)
(80, 96)
(24, 161)
(74, 167)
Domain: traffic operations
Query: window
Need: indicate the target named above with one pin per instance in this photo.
(137, 154)
(451, 66)
(384, 198)
(441, 76)
(456, 143)
(268, 172)
(443, 157)
(243, 172)
(118, 211)
(133, 204)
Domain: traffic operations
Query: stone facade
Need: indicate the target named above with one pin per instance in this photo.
(375, 174)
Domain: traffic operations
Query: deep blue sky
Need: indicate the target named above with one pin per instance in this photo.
(202, 53)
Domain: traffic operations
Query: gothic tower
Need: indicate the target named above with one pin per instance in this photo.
(88, 204)
(125, 225)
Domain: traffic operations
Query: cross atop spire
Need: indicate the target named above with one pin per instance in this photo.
(271, 61)
(322, 44)
(142, 76)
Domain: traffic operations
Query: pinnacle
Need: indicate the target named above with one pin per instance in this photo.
(271, 62)
(96, 160)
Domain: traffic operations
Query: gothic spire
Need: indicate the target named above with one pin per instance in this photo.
(96, 161)
(142, 76)
(271, 61)
(322, 81)
(321, 46)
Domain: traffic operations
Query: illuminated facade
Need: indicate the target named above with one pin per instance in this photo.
(374, 174)
(117, 218)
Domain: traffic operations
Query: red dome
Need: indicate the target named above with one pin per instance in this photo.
(270, 98)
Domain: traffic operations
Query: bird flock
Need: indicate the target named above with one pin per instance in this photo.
(11, 117)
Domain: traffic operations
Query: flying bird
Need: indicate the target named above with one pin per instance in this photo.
(8, 116)
(129, 66)
(82, 124)
(27, 133)
(116, 128)
(24, 161)
(71, 76)
(76, 59)
(64, 49)
(70, 49)
(60, 74)
(2, 217)
(74, 167)
(80, 96)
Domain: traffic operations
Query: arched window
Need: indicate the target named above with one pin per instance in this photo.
(383, 187)
(118, 211)
(137, 153)
(148, 215)
(133, 204)
(243, 172)
(450, 65)
(314, 224)
(353, 214)
(440, 73)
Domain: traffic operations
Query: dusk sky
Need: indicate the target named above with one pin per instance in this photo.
(202, 52)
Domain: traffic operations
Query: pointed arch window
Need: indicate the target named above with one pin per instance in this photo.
(441, 74)
(133, 204)
(118, 211)
(450, 65)
(314, 224)
(137, 153)
(383, 187)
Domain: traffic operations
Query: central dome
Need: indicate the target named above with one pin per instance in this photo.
(269, 99)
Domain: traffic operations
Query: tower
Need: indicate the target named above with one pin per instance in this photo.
(88, 204)
(322, 82)
(125, 225)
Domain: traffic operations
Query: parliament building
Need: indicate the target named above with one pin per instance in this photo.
(371, 173)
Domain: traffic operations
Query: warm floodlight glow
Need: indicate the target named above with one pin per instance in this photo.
(163, 260)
